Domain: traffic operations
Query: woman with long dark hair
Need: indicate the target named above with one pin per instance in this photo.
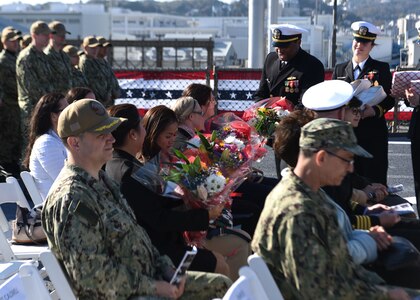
(164, 218)
(45, 152)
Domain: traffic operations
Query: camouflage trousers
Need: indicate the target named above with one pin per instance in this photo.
(200, 286)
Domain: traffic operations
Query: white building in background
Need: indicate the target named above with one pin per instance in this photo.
(289, 8)
(80, 19)
(407, 28)
(229, 33)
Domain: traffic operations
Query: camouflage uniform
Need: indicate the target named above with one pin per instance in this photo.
(34, 79)
(77, 77)
(112, 79)
(61, 67)
(299, 238)
(97, 79)
(92, 230)
(10, 134)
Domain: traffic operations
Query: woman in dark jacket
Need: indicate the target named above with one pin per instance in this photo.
(164, 218)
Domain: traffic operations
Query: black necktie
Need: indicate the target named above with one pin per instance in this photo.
(357, 68)
(282, 64)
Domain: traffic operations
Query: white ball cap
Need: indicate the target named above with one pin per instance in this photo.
(327, 95)
(365, 30)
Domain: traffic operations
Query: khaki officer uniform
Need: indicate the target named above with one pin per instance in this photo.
(10, 133)
(59, 62)
(33, 74)
(92, 230)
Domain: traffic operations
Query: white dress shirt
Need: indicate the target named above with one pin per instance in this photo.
(356, 72)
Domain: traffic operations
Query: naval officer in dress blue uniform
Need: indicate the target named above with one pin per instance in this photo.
(290, 70)
(372, 132)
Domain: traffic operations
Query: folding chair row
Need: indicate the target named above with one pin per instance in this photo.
(255, 282)
(28, 282)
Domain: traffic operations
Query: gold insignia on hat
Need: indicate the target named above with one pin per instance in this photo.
(277, 34)
(363, 30)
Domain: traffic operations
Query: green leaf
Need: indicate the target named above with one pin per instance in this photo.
(204, 141)
(225, 155)
(213, 135)
(181, 155)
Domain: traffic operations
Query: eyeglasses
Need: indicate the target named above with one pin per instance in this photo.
(355, 110)
(349, 161)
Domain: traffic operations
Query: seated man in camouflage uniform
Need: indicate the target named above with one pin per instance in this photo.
(92, 230)
(298, 235)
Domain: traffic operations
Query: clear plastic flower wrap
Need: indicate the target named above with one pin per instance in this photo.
(213, 166)
(266, 114)
(151, 175)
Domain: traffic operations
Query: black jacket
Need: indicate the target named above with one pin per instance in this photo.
(372, 133)
(306, 69)
(157, 214)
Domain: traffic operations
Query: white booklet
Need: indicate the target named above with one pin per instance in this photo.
(403, 209)
(183, 266)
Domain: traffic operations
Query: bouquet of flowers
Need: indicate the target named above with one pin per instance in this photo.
(212, 166)
(266, 114)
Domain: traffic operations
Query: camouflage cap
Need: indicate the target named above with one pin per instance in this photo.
(90, 41)
(58, 28)
(86, 115)
(71, 50)
(26, 40)
(40, 27)
(324, 133)
(10, 35)
(103, 41)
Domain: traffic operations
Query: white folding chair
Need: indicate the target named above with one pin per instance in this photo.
(260, 268)
(30, 185)
(246, 287)
(10, 192)
(57, 276)
(27, 284)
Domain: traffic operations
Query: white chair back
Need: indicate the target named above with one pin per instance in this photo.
(57, 276)
(260, 268)
(10, 192)
(27, 284)
(33, 282)
(30, 185)
(246, 287)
